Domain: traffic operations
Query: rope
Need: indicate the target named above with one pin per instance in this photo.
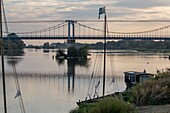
(4, 14)
(18, 89)
(91, 77)
(95, 78)
(13, 66)
(97, 74)
(114, 73)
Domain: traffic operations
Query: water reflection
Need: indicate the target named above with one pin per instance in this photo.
(14, 53)
(60, 61)
(71, 63)
(46, 50)
(13, 60)
(50, 86)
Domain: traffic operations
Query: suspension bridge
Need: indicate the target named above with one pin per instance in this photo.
(73, 30)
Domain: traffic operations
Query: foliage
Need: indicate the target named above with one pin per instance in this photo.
(113, 105)
(137, 45)
(151, 92)
(127, 96)
(13, 46)
(72, 51)
(77, 52)
(85, 108)
(46, 45)
(74, 56)
(60, 53)
(144, 46)
(106, 105)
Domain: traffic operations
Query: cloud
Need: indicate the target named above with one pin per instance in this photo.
(86, 9)
(81, 9)
(31, 8)
(142, 4)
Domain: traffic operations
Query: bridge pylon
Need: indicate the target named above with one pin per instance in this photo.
(71, 38)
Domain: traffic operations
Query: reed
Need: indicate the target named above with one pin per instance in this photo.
(113, 105)
(106, 105)
(152, 92)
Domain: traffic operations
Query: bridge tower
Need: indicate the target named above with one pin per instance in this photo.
(71, 39)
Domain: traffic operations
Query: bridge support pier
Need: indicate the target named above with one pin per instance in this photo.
(71, 40)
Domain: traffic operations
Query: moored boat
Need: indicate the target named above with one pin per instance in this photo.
(131, 78)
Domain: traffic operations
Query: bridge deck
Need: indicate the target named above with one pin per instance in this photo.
(92, 38)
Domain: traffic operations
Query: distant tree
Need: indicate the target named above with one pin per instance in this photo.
(83, 52)
(46, 45)
(72, 51)
(12, 35)
(11, 44)
(77, 52)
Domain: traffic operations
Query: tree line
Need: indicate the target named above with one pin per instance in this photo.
(137, 45)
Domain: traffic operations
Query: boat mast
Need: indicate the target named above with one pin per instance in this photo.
(104, 70)
(2, 60)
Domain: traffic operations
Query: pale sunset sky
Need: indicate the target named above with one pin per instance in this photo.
(26, 10)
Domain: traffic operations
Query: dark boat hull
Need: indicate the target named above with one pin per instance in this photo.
(94, 100)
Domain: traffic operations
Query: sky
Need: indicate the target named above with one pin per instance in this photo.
(17, 10)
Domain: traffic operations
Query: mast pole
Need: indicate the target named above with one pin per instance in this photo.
(2, 60)
(104, 70)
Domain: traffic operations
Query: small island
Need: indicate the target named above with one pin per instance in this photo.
(73, 53)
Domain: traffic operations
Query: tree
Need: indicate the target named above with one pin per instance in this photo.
(72, 51)
(11, 43)
(77, 52)
(83, 52)
(60, 53)
(46, 45)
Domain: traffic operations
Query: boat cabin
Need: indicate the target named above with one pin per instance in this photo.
(133, 77)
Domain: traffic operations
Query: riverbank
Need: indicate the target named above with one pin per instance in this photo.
(154, 109)
(152, 96)
(153, 50)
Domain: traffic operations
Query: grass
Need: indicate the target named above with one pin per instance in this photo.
(106, 105)
(113, 105)
(152, 92)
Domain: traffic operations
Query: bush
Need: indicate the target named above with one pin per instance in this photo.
(113, 105)
(106, 105)
(77, 52)
(85, 108)
(151, 92)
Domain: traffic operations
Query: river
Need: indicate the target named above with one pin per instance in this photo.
(52, 86)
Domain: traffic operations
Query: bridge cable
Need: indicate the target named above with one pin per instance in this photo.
(132, 33)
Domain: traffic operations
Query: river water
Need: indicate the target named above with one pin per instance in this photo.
(54, 86)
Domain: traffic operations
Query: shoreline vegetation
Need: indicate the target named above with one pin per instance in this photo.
(138, 45)
(147, 97)
(13, 47)
(73, 53)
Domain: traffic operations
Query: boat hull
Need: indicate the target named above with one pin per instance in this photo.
(94, 100)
